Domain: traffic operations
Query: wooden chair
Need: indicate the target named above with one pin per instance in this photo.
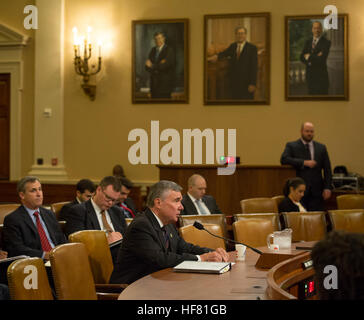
(72, 274)
(272, 217)
(56, 207)
(253, 231)
(16, 275)
(259, 205)
(278, 199)
(219, 219)
(350, 201)
(306, 226)
(202, 238)
(351, 220)
(100, 258)
(5, 209)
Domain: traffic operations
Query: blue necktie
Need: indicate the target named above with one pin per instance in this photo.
(202, 209)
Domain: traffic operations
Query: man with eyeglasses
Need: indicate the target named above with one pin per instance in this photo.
(99, 213)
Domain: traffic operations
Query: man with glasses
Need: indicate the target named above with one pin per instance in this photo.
(99, 213)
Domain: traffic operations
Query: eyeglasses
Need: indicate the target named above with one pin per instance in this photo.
(108, 198)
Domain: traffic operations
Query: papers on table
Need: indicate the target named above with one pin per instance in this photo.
(203, 267)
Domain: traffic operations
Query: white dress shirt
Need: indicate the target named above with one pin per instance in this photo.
(193, 199)
(99, 216)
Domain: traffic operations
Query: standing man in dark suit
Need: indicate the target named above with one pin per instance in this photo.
(314, 56)
(31, 230)
(310, 158)
(195, 201)
(85, 189)
(152, 242)
(161, 65)
(243, 68)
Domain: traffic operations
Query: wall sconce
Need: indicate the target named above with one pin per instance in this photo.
(82, 44)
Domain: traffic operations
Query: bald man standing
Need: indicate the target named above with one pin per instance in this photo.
(310, 159)
(196, 202)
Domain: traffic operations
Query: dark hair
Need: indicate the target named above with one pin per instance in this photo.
(111, 180)
(293, 182)
(126, 183)
(159, 33)
(85, 184)
(240, 27)
(159, 189)
(118, 171)
(345, 251)
(21, 184)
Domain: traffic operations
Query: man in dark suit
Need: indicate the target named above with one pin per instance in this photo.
(31, 229)
(152, 243)
(161, 65)
(125, 203)
(243, 68)
(310, 158)
(314, 56)
(85, 189)
(195, 201)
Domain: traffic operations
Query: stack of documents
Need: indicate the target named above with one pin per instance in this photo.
(203, 267)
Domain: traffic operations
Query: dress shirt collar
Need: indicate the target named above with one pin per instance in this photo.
(31, 211)
(160, 48)
(193, 198)
(309, 143)
(96, 207)
(159, 220)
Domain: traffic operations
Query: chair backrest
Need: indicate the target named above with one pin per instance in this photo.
(306, 226)
(98, 251)
(253, 231)
(350, 201)
(278, 199)
(202, 238)
(349, 220)
(272, 217)
(71, 272)
(219, 219)
(27, 279)
(56, 207)
(5, 209)
(259, 205)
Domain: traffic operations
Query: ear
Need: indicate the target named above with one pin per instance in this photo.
(157, 202)
(78, 193)
(21, 195)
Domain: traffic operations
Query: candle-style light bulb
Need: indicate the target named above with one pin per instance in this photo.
(99, 44)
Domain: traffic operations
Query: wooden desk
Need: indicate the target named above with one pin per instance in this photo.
(248, 181)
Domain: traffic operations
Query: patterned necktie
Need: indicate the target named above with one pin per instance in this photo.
(308, 152)
(104, 221)
(166, 237)
(42, 235)
(200, 206)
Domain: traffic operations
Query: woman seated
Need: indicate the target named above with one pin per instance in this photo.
(293, 191)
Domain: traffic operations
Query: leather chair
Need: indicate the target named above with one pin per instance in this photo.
(350, 201)
(259, 205)
(253, 231)
(350, 220)
(72, 274)
(306, 226)
(272, 217)
(16, 275)
(278, 199)
(56, 208)
(219, 219)
(100, 258)
(202, 238)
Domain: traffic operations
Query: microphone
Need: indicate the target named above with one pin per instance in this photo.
(200, 226)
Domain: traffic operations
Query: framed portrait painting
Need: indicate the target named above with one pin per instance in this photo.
(316, 58)
(237, 59)
(160, 61)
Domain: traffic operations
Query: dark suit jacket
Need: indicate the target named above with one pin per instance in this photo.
(65, 208)
(143, 251)
(294, 154)
(242, 71)
(21, 235)
(163, 71)
(316, 66)
(130, 204)
(287, 205)
(82, 216)
(190, 209)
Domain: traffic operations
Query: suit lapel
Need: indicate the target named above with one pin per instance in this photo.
(191, 207)
(91, 215)
(114, 218)
(28, 220)
(45, 217)
(157, 228)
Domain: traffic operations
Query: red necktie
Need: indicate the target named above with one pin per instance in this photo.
(129, 210)
(43, 238)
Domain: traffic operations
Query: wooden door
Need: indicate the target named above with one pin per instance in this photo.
(4, 126)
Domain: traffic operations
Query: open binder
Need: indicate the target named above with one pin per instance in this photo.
(203, 267)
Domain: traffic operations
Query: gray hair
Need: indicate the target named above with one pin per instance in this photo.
(21, 184)
(159, 189)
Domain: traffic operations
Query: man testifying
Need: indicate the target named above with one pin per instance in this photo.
(152, 243)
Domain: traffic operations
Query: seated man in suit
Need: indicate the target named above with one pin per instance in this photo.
(195, 201)
(99, 213)
(125, 203)
(31, 230)
(85, 189)
(152, 243)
